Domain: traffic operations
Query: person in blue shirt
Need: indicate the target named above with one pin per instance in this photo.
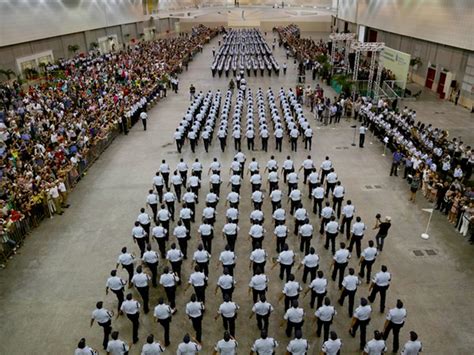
(397, 158)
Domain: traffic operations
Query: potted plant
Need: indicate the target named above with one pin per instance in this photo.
(415, 63)
(73, 48)
(344, 82)
(8, 73)
(93, 45)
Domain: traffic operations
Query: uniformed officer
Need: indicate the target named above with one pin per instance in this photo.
(258, 258)
(256, 233)
(361, 318)
(318, 197)
(287, 168)
(139, 237)
(332, 346)
(115, 284)
(286, 259)
(188, 347)
(326, 166)
(227, 345)
(201, 257)
(281, 233)
(230, 231)
(117, 346)
(313, 179)
(226, 283)
(152, 201)
(150, 258)
(324, 316)
(291, 291)
(348, 214)
(294, 317)
(306, 234)
(163, 219)
(318, 288)
(165, 172)
(159, 183)
(331, 228)
(264, 345)
(395, 320)
(301, 216)
(151, 347)
(341, 259)
(412, 346)
(140, 280)
(262, 310)
(367, 260)
(163, 314)
(227, 258)
(169, 280)
(310, 263)
(294, 198)
(83, 349)
(258, 284)
(131, 308)
(338, 196)
(175, 257)
(326, 213)
(380, 284)
(349, 289)
(104, 319)
(126, 260)
(194, 310)
(331, 180)
(199, 281)
(182, 168)
(177, 182)
(376, 346)
(190, 198)
(228, 311)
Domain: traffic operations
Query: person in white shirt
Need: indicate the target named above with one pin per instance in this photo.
(298, 346)
(332, 230)
(141, 282)
(165, 173)
(228, 311)
(117, 346)
(349, 284)
(139, 236)
(262, 309)
(258, 284)
(332, 346)
(116, 285)
(291, 291)
(294, 317)
(169, 280)
(395, 320)
(188, 347)
(163, 314)
(375, 346)
(286, 259)
(126, 260)
(227, 258)
(175, 257)
(318, 197)
(131, 308)
(358, 229)
(361, 318)
(310, 263)
(380, 284)
(264, 345)
(195, 310)
(367, 259)
(326, 213)
(83, 349)
(324, 316)
(104, 319)
(340, 261)
(151, 347)
(338, 197)
(348, 214)
(199, 281)
(412, 346)
(150, 258)
(226, 346)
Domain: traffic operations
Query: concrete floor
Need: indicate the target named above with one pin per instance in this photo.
(49, 289)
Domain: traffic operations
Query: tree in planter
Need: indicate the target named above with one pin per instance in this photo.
(73, 48)
(415, 63)
(7, 73)
(93, 46)
(345, 82)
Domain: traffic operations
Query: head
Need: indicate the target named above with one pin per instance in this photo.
(327, 301)
(193, 297)
(99, 305)
(294, 304)
(377, 335)
(285, 247)
(351, 271)
(413, 336)
(115, 335)
(186, 338)
(148, 247)
(384, 268)
(320, 274)
(226, 336)
(129, 297)
(312, 250)
(399, 304)
(333, 335)
(139, 269)
(150, 339)
(263, 334)
(363, 302)
(371, 243)
(342, 245)
(113, 273)
(142, 210)
(358, 219)
(291, 277)
(298, 334)
(82, 343)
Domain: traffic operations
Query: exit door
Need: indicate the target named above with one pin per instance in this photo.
(441, 83)
(430, 76)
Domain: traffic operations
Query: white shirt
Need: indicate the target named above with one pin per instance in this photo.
(228, 309)
(350, 282)
(174, 255)
(194, 309)
(286, 257)
(319, 285)
(310, 260)
(101, 315)
(230, 229)
(86, 351)
(150, 257)
(152, 349)
(397, 315)
(375, 347)
(363, 312)
(412, 347)
(117, 347)
(348, 211)
(168, 280)
(226, 347)
(225, 282)
(327, 212)
(338, 191)
(331, 347)
(325, 313)
(358, 228)
(295, 195)
(259, 282)
(291, 288)
(227, 257)
(140, 280)
(382, 278)
(197, 278)
(258, 256)
(342, 256)
(115, 283)
(298, 346)
(369, 253)
(262, 308)
(332, 227)
(162, 311)
(264, 346)
(279, 214)
(256, 231)
(125, 259)
(130, 307)
(318, 193)
(190, 348)
(281, 231)
(294, 315)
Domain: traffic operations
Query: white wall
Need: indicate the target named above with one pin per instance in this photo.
(449, 22)
(29, 20)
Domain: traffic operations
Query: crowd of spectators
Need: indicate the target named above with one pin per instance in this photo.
(47, 129)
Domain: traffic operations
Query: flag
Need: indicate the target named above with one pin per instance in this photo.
(430, 210)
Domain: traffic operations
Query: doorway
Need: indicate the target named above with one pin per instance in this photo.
(430, 76)
(441, 83)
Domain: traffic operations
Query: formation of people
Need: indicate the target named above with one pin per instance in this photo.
(174, 232)
(244, 49)
(203, 120)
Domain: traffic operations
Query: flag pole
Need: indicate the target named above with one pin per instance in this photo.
(426, 235)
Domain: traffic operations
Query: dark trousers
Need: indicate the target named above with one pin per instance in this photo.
(166, 328)
(265, 144)
(237, 143)
(197, 325)
(216, 188)
(291, 325)
(134, 318)
(200, 292)
(183, 245)
(307, 142)
(204, 267)
(260, 266)
(176, 268)
(171, 295)
(280, 242)
(329, 188)
(166, 178)
(366, 265)
(351, 294)
(256, 294)
(177, 190)
(278, 144)
(361, 140)
(230, 268)
(346, 226)
(311, 271)
(363, 331)
(228, 292)
(250, 144)
(141, 245)
(380, 239)
(154, 272)
(107, 330)
(262, 321)
(154, 208)
(229, 324)
(144, 292)
(305, 244)
(255, 241)
(294, 205)
(285, 269)
(130, 271)
(207, 243)
(120, 297)
(231, 240)
(336, 205)
(170, 206)
(324, 221)
(383, 294)
(324, 326)
(355, 240)
(331, 239)
(317, 204)
(393, 169)
(396, 332)
(318, 297)
(288, 301)
(294, 144)
(144, 124)
(339, 267)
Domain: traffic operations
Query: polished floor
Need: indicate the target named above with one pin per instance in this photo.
(49, 289)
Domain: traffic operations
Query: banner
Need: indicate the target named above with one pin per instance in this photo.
(398, 63)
